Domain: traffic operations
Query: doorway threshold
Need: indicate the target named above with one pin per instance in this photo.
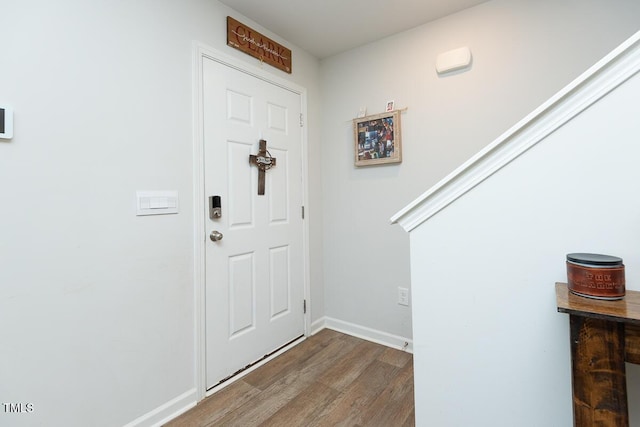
(253, 366)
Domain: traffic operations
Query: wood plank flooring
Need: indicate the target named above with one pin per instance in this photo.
(330, 379)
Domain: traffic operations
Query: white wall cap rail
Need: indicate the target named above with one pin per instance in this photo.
(603, 77)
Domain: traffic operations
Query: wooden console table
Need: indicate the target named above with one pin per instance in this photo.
(604, 334)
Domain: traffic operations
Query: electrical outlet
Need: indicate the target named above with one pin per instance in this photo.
(403, 296)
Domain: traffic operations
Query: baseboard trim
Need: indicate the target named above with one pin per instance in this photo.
(317, 326)
(168, 411)
(359, 331)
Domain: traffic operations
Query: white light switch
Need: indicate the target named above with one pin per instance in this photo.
(156, 202)
(159, 203)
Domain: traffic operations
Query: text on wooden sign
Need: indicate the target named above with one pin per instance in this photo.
(257, 45)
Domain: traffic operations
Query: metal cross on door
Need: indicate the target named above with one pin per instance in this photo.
(264, 162)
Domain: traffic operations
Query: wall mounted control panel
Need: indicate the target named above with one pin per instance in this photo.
(6, 122)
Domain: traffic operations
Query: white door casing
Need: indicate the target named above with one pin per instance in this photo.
(252, 283)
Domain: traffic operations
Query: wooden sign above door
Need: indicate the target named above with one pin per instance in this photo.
(257, 45)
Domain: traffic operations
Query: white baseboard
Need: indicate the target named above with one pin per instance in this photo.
(358, 331)
(317, 326)
(168, 411)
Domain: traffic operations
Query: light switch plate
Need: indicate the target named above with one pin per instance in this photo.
(156, 202)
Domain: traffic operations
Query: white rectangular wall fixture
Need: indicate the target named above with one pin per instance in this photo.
(156, 202)
(453, 60)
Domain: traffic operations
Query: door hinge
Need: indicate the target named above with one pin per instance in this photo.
(304, 306)
(301, 120)
(302, 212)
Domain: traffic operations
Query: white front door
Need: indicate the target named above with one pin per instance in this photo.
(254, 272)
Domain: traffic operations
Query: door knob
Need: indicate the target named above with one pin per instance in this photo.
(215, 236)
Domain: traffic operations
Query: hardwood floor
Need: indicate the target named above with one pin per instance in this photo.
(330, 379)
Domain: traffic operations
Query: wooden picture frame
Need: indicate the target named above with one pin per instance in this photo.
(377, 139)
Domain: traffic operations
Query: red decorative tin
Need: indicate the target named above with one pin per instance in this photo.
(596, 276)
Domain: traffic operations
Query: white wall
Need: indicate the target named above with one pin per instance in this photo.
(490, 347)
(96, 304)
(523, 52)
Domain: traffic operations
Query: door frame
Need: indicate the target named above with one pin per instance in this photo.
(201, 52)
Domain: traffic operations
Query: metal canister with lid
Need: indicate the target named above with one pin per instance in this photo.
(596, 276)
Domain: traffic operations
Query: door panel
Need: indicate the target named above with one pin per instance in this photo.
(241, 180)
(279, 283)
(278, 189)
(242, 315)
(254, 275)
(239, 107)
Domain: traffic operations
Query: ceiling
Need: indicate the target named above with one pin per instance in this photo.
(327, 27)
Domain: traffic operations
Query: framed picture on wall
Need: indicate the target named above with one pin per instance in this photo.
(377, 139)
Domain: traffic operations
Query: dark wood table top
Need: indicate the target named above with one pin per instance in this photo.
(626, 310)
